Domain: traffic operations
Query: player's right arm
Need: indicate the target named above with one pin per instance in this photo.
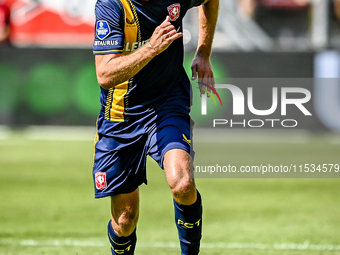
(113, 69)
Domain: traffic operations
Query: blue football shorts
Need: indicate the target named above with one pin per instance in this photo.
(121, 149)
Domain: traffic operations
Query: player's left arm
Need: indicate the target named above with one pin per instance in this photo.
(201, 64)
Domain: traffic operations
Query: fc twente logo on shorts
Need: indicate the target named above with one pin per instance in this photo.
(101, 180)
(174, 11)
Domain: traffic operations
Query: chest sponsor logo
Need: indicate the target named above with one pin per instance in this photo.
(174, 11)
(102, 29)
(132, 46)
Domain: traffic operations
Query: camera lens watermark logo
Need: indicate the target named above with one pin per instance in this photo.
(210, 94)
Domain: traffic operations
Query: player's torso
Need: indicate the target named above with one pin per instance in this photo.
(163, 78)
(145, 16)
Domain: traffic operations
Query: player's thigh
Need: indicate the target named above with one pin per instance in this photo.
(170, 147)
(178, 166)
(119, 161)
(171, 133)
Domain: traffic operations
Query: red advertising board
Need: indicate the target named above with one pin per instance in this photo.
(52, 23)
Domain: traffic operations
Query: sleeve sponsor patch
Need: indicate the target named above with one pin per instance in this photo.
(102, 29)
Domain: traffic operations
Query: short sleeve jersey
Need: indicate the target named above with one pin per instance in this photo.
(122, 26)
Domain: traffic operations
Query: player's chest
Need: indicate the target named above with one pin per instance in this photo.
(152, 14)
(143, 18)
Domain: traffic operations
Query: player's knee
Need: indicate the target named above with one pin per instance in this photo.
(177, 165)
(127, 223)
(183, 190)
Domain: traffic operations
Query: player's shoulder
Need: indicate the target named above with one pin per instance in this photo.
(115, 5)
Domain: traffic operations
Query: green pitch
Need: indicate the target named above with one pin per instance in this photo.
(47, 204)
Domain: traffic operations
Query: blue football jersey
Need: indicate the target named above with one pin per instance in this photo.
(122, 26)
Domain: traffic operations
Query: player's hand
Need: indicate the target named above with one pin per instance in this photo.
(201, 65)
(163, 36)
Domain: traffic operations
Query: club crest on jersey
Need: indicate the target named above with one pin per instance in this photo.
(100, 180)
(174, 11)
(102, 29)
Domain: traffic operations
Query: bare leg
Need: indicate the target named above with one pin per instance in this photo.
(124, 217)
(187, 200)
(177, 166)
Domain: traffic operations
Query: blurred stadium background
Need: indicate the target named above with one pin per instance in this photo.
(47, 70)
(49, 100)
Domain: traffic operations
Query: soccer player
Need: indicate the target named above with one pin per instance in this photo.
(145, 99)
